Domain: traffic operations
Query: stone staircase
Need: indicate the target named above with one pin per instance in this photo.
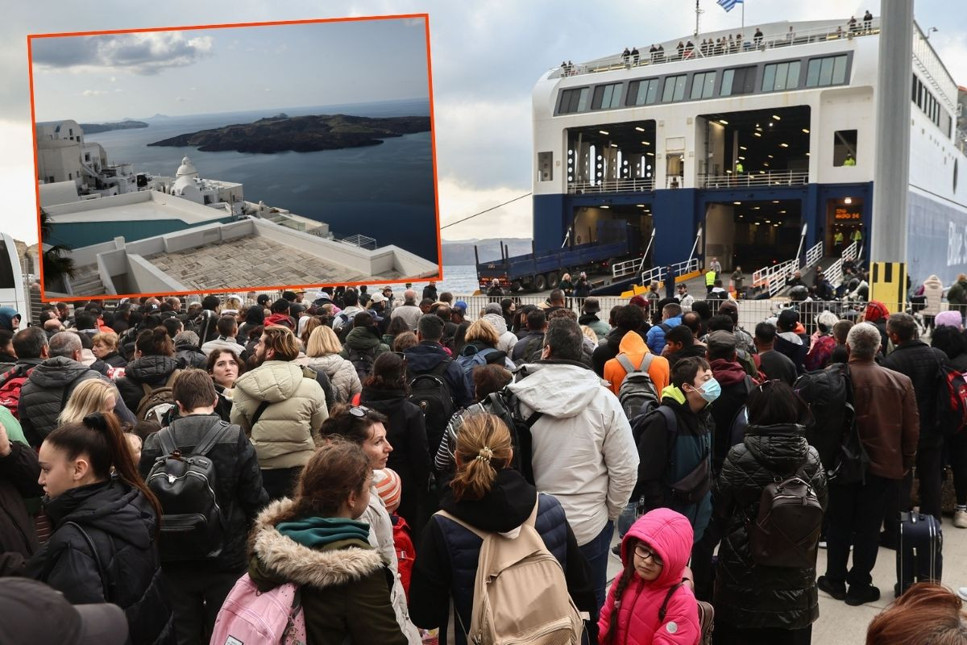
(87, 283)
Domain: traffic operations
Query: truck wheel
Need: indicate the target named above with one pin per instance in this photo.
(540, 282)
(553, 279)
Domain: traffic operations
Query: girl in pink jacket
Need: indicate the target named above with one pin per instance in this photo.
(654, 553)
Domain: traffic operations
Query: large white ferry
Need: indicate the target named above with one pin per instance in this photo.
(761, 140)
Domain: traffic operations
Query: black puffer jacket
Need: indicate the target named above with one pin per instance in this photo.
(749, 595)
(189, 355)
(121, 524)
(920, 362)
(152, 371)
(45, 393)
(238, 481)
(18, 480)
(406, 432)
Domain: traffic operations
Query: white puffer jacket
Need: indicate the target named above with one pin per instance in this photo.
(341, 373)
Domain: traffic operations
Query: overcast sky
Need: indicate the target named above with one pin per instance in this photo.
(486, 58)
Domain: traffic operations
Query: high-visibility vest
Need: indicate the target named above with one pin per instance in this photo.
(710, 278)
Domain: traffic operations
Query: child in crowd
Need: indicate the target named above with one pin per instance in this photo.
(390, 490)
(651, 600)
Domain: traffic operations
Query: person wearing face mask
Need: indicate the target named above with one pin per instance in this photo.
(675, 446)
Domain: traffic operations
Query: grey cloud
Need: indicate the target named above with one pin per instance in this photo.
(145, 53)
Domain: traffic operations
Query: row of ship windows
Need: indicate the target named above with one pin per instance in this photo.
(930, 106)
(776, 77)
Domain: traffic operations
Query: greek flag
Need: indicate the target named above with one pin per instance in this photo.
(728, 5)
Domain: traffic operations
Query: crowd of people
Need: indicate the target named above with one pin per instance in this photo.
(388, 456)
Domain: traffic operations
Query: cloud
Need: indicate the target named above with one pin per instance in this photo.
(143, 53)
(459, 199)
(93, 92)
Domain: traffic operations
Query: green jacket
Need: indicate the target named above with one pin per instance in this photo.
(345, 584)
(957, 295)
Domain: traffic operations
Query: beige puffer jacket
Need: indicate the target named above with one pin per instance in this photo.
(287, 431)
(933, 294)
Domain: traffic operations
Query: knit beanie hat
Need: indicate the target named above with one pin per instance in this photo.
(389, 487)
(949, 319)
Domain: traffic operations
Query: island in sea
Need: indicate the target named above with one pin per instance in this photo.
(127, 124)
(300, 134)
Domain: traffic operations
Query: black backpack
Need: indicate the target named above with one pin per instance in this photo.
(787, 527)
(637, 393)
(833, 433)
(362, 361)
(345, 328)
(192, 524)
(431, 393)
(506, 405)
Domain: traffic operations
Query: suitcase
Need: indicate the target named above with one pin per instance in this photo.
(919, 555)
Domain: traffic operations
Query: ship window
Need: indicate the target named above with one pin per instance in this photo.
(780, 76)
(545, 166)
(738, 81)
(702, 85)
(606, 97)
(575, 100)
(643, 92)
(674, 88)
(844, 148)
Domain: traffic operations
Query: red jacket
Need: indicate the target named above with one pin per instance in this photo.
(636, 621)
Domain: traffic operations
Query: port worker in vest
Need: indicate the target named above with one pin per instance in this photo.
(849, 161)
(857, 235)
(838, 239)
(709, 280)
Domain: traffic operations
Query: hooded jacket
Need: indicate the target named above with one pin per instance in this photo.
(736, 386)
(599, 327)
(286, 433)
(933, 294)
(794, 347)
(448, 553)
(121, 525)
(7, 314)
(582, 452)
(749, 595)
(633, 618)
(634, 346)
(363, 339)
(189, 355)
(666, 457)
(45, 392)
(153, 371)
(341, 373)
(345, 583)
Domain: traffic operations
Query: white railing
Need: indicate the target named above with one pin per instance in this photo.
(635, 185)
(774, 277)
(627, 267)
(851, 252)
(814, 255)
(834, 272)
(762, 178)
(748, 43)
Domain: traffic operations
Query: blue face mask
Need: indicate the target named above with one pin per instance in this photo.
(710, 390)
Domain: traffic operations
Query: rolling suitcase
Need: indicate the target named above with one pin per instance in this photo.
(919, 555)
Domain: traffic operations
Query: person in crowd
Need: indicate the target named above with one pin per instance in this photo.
(154, 366)
(19, 471)
(488, 495)
(396, 327)
(957, 295)
(430, 292)
(531, 342)
(319, 541)
(227, 328)
(187, 351)
(199, 587)
(680, 343)
(676, 473)
(917, 360)
(224, 367)
(589, 316)
(724, 322)
(347, 315)
(582, 288)
(254, 317)
(949, 319)
(323, 355)
(429, 356)
(743, 338)
(280, 315)
(773, 364)
(822, 342)
(671, 316)
(582, 447)
(630, 318)
(386, 391)
(87, 397)
(363, 344)
(505, 338)
(50, 384)
(409, 310)
(648, 602)
(925, 603)
(105, 348)
(633, 346)
(684, 298)
(791, 339)
(480, 349)
(953, 343)
(8, 356)
(889, 426)
(367, 428)
(104, 545)
(281, 410)
(9, 319)
(756, 603)
(840, 331)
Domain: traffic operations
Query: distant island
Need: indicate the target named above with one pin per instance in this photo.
(127, 124)
(300, 134)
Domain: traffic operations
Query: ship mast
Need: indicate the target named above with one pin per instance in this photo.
(698, 16)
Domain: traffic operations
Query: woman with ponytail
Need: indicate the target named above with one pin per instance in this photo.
(153, 366)
(104, 544)
(492, 497)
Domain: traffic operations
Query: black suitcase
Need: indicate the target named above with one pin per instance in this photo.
(919, 555)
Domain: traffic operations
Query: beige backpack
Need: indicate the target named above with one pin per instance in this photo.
(520, 594)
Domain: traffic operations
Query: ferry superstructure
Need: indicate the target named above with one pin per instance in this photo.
(749, 137)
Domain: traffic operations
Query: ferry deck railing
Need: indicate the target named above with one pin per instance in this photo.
(814, 255)
(626, 267)
(834, 272)
(761, 179)
(633, 185)
(748, 43)
(657, 274)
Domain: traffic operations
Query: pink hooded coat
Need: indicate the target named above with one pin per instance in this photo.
(669, 534)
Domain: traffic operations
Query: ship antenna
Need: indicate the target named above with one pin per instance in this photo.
(698, 16)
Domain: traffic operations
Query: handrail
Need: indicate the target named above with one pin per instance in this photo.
(767, 41)
(762, 178)
(627, 267)
(774, 277)
(851, 252)
(814, 255)
(633, 185)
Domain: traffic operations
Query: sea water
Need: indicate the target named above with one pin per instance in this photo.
(385, 191)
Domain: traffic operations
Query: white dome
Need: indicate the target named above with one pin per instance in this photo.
(186, 169)
(185, 187)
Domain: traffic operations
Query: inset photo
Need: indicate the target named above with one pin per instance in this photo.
(239, 157)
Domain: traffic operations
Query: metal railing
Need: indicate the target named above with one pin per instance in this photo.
(834, 272)
(814, 255)
(635, 185)
(762, 178)
(626, 267)
(657, 274)
(773, 278)
(777, 40)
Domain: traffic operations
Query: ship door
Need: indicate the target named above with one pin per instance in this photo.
(720, 234)
(844, 215)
